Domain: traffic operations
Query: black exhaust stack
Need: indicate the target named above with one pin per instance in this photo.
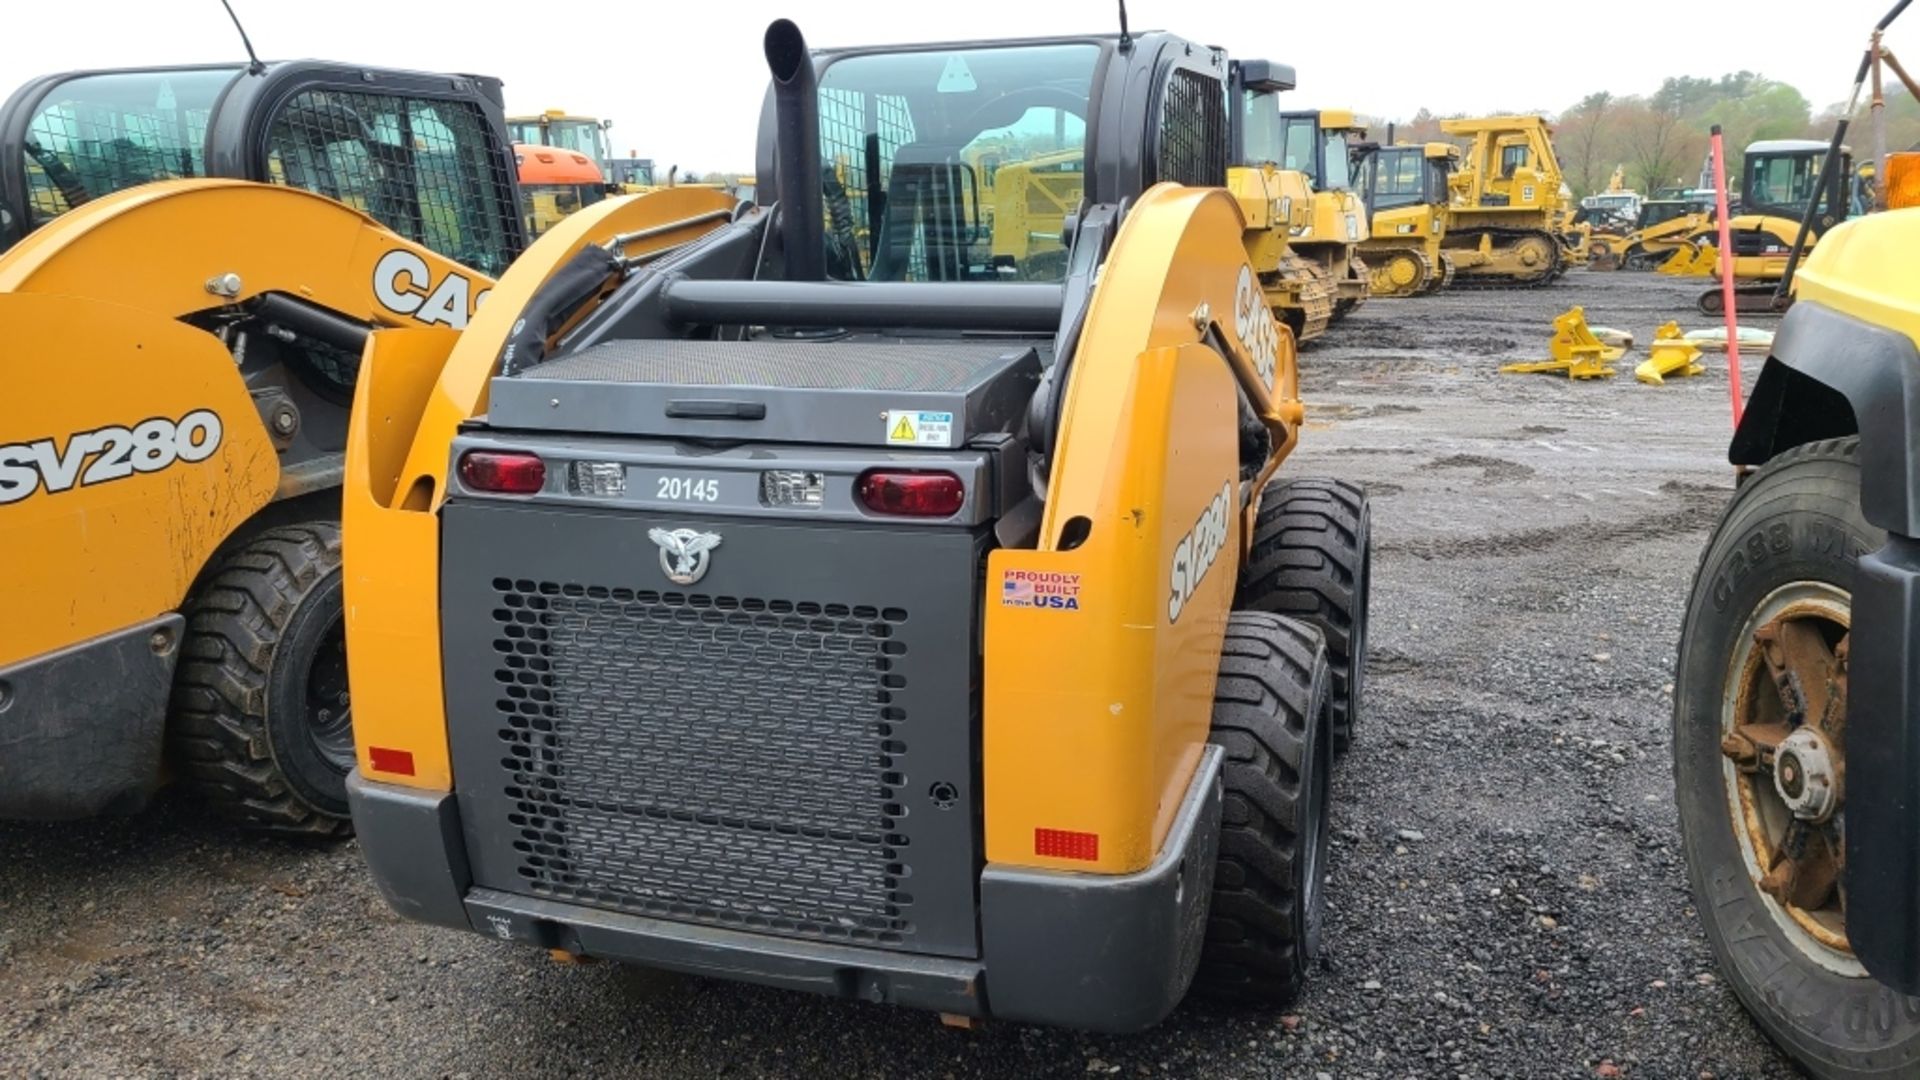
(796, 103)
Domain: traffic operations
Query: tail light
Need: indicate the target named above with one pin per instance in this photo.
(502, 473)
(911, 493)
(1903, 181)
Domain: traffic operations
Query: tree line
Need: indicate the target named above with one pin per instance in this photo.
(1660, 140)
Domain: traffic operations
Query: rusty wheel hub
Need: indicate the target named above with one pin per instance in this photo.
(1784, 744)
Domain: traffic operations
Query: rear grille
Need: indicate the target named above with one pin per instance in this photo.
(707, 758)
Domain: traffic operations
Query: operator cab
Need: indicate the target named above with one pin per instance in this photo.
(1397, 176)
(1781, 175)
(423, 154)
(1315, 143)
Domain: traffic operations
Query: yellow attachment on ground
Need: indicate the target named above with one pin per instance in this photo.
(1095, 717)
(1681, 261)
(415, 389)
(1577, 353)
(1672, 354)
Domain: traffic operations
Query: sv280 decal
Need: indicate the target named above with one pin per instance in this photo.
(105, 454)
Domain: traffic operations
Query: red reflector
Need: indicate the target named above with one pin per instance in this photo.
(911, 494)
(397, 762)
(1062, 844)
(507, 474)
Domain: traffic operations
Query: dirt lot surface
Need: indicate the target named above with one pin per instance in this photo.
(1508, 896)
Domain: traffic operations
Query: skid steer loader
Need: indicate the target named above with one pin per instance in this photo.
(181, 358)
(850, 615)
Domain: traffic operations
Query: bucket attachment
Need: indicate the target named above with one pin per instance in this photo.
(1671, 355)
(1577, 353)
(1681, 261)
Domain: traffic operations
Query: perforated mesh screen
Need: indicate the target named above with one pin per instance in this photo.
(859, 135)
(719, 759)
(1191, 147)
(429, 170)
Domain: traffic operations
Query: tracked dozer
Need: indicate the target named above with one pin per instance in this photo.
(851, 614)
(1508, 203)
(1405, 190)
(194, 260)
(1313, 145)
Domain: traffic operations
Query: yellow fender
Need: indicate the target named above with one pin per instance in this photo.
(1147, 474)
(1576, 352)
(415, 388)
(1672, 354)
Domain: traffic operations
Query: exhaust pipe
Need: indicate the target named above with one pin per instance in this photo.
(796, 104)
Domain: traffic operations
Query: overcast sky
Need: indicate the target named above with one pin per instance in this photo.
(683, 81)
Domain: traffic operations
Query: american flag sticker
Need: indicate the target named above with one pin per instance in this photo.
(1040, 589)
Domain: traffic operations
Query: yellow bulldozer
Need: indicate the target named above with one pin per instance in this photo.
(1280, 210)
(887, 629)
(194, 259)
(1405, 189)
(1510, 206)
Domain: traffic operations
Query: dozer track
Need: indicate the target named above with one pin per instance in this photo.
(1750, 298)
(1302, 292)
(1383, 281)
(1355, 283)
(1445, 279)
(1506, 239)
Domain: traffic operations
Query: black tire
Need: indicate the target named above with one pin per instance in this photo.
(264, 631)
(1270, 720)
(1313, 560)
(1797, 520)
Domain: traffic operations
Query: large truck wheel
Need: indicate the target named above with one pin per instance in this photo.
(1270, 720)
(1312, 559)
(1759, 753)
(261, 726)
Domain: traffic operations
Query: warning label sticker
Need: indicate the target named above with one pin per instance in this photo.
(1040, 589)
(910, 427)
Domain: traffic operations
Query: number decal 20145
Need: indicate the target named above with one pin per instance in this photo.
(106, 453)
(687, 489)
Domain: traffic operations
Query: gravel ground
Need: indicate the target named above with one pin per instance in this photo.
(1507, 895)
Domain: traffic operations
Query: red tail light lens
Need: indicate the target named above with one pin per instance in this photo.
(910, 493)
(504, 474)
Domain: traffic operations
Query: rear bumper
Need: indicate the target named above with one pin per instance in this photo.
(1100, 952)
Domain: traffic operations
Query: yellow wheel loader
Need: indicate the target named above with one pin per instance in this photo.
(182, 356)
(910, 631)
(1504, 223)
(1405, 192)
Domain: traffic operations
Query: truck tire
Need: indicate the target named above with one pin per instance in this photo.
(1782, 556)
(1313, 560)
(1270, 721)
(260, 725)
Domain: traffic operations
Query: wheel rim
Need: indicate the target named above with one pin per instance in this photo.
(1783, 763)
(329, 708)
(1318, 784)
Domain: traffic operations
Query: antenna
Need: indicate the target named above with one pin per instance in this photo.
(254, 66)
(1126, 39)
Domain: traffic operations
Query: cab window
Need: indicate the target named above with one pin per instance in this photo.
(953, 165)
(1299, 148)
(97, 134)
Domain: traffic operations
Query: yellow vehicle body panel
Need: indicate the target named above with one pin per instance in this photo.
(1030, 201)
(116, 544)
(1850, 270)
(95, 556)
(414, 392)
(1095, 721)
